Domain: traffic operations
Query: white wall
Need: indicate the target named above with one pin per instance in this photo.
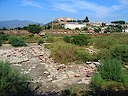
(74, 26)
(126, 30)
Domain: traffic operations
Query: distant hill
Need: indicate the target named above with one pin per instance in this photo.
(16, 23)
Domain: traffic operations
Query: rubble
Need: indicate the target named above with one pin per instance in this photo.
(35, 62)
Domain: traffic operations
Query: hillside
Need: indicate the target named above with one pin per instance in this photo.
(16, 23)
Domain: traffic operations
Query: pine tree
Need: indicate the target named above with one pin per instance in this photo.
(86, 19)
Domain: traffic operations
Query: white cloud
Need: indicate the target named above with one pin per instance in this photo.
(124, 2)
(30, 3)
(74, 6)
(65, 7)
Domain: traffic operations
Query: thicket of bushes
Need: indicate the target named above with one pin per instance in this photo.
(79, 39)
(111, 78)
(12, 83)
(63, 52)
(17, 41)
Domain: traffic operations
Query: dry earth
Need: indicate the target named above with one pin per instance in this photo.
(48, 76)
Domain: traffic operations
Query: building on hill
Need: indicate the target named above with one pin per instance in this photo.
(74, 26)
(98, 24)
(64, 19)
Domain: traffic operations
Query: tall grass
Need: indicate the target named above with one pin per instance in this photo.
(64, 52)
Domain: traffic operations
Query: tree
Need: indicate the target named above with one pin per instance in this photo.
(86, 19)
(4, 28)
(25, 28)
(118, 22)
(34, 28)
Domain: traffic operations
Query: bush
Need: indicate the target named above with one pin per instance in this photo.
(40, 41)
(31, 35)
(12, 83)
(78, 39)
(17, 42)
(67, 39)
(111, 69)
(110, 78)
(120, 52)
(3, 36)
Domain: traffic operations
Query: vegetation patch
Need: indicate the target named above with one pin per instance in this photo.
(12, 82)
(64, 52)
(79, 39)
(40, 41)
(120, 52)
(110, 78)
(17, 41)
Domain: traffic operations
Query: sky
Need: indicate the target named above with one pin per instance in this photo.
(44, 11)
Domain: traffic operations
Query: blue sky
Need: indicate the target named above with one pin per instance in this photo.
(44, 11)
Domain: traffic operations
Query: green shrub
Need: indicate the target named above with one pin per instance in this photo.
(40, 41)
(12, 83)
(110, 78)
(31, 35)
(17, 42)
(3, 36)
(111, 69)
(120, 52)
(67, 39)
(97, 80)
(79, 39)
